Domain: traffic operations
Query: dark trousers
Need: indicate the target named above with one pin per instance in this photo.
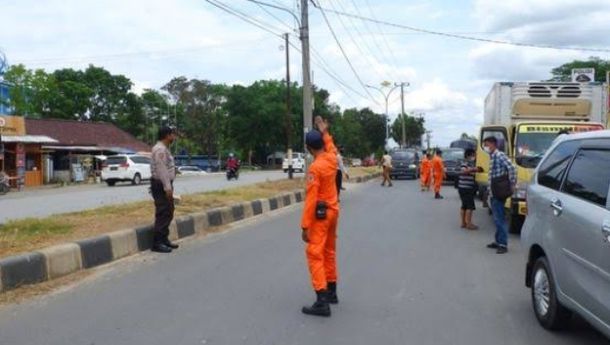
(164, 212)
(339, 181)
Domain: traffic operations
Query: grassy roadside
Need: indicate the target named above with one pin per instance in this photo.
(362, 171)
(32, 234)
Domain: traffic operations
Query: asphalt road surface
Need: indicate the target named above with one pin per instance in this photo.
(46, 202)
(409, 275)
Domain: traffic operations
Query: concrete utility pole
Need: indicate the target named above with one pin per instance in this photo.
(402, 104)
(288, 120)
(428, 137)
(307, 89)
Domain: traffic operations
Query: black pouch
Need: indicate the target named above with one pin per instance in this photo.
(321, 208)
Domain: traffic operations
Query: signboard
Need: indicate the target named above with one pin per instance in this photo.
(12, 125)
(577, 128)
(583, 75)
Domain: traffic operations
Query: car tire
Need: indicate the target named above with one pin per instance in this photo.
(515, 224)
(110, 183)
(549, 312)
(285, 171)
(137, 180)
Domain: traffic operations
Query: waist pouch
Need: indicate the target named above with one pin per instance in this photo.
(321, 210)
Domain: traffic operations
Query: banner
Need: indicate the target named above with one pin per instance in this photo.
(583, 75)
(542, 128)
(12, 125)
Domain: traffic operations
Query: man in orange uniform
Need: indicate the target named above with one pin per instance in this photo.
(425, 170)
(320, 216)
(438, 172)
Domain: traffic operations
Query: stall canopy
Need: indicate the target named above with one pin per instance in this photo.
(28, 139)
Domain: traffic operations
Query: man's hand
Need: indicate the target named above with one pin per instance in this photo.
(170, 195)
(346, 176)
(321, 124)
(305, 235)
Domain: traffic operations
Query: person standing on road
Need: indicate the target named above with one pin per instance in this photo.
(386, 164)
(341, 171)
(502, 181)
(320, 217)
(425, 171)
(467, 188)
(438, 172)
(163, 172)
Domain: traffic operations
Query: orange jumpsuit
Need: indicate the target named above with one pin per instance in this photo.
(321, 248)
(425, 170)
(438, 172)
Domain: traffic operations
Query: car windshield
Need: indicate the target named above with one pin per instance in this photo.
(116, 160)
(403, 155)
(453, 155)
(295, 156)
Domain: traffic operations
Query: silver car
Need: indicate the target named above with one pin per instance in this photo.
(567, 232)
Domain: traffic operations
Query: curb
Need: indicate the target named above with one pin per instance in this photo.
(64, 259)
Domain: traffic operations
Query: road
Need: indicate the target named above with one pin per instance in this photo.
(409, 275)
(46, 202)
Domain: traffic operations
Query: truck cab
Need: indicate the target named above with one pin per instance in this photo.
(526, 118)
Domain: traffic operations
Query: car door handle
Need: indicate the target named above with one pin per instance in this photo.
(606, 230)
(557, 206)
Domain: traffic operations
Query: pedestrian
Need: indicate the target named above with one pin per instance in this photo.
(341, 171)
(425, 171)
(438, 173)
(502, 181)
(467, 189)
(320, 217)
(386, 164)
(163, 172)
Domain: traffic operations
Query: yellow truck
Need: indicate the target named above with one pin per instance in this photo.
(526, 117)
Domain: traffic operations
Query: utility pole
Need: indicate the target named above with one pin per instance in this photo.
(402, 114)
(307, 89)
(428, 137)
(288, 120)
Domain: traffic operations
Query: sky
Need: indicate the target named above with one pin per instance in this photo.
(155, 40)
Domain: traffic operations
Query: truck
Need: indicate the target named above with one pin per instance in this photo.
(525, 118)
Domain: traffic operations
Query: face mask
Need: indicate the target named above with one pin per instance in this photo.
(487, 149)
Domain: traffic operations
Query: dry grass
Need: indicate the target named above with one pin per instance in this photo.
(362, 171)
(32, 234)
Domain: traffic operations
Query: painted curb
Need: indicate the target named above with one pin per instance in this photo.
(61, 260)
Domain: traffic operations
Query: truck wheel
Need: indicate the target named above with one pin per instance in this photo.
(549, 312)
(516, 223)
(137, 179)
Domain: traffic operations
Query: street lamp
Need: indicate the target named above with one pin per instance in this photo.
(386, 96)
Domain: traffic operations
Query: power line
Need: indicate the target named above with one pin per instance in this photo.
(349, 62)
(383, 35)
(463, 37)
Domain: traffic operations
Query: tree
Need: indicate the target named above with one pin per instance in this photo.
(414, 128)
(466, 136)
(564, 72)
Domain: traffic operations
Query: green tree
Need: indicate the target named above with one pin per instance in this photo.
(414, 129)
(564, 72)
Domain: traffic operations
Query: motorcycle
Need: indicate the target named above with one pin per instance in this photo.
(232, 173)
(5, 187)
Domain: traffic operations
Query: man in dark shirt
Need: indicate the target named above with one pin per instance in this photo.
(467, 188)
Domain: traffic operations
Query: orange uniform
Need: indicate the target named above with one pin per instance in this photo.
(425, 171)
(438, 172)
(322, 233)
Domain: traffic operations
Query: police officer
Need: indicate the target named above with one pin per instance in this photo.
(319, 221)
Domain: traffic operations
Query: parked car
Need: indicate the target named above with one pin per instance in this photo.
(405, 163)
(126, 168)
(191, 170)
(298, 162)
(567, 232)
(453, 158)
(356, 162)
(369, 162)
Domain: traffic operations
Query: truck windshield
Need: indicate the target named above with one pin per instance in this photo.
(531, 148)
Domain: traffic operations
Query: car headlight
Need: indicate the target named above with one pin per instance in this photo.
(520, 191)
(412, 166)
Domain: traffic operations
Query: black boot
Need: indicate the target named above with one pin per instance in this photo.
(320, 306)
(170, 244)
(332, 293)
(438, 196)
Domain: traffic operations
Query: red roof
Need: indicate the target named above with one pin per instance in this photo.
(76, 133)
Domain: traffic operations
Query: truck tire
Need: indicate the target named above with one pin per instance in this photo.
(516, 223)
(549, 311)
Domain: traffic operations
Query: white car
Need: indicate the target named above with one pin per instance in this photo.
(298, 163)
(356, 162)
(126, 168)
(189, 170)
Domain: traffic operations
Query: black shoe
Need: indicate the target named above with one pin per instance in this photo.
(502, 250)
(168, 243)
(493, 245)
(438, 196)
(161, 248)
(332, 293)
(320, 306)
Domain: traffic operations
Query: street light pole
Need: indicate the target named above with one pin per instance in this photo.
(402, 115)
(386, 97)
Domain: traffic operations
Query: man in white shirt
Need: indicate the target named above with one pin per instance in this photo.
(386, 164)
